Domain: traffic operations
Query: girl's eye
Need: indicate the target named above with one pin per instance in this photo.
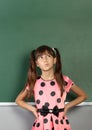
(44, 56)
(49, 55)
(40, 57)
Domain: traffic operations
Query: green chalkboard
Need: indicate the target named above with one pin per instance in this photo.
(27, 24)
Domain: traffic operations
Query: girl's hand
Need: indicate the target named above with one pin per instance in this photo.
(81, 96)
(66, 109)
(34, 111)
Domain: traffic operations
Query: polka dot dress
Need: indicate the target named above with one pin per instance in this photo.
(47, 93)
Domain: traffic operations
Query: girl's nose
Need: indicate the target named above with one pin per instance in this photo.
(45, 58)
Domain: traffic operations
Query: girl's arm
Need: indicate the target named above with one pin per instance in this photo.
(20, 101)
(81, 96)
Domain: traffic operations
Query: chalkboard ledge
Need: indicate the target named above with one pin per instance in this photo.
(32, 103)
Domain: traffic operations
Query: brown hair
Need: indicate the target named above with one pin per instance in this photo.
(32, 72)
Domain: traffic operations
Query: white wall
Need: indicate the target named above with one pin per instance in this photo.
(13, 117)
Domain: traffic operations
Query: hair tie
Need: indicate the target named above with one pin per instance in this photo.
(54, 50)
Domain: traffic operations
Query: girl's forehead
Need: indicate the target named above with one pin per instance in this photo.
(42, 53)
(45, 52)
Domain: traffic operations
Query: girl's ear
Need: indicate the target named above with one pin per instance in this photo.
(37, 64)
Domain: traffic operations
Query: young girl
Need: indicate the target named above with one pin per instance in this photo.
(50, 90)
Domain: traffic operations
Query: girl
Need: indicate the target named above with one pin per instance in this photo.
(50, 90)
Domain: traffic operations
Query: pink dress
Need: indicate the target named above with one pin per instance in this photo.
(47, 93)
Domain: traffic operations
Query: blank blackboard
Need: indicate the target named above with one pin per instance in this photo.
(27, 24)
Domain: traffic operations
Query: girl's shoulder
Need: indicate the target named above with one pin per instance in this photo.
(68, 83)
(66, 78)
(38, 80)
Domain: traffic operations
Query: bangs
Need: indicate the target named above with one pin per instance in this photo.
(44, 50)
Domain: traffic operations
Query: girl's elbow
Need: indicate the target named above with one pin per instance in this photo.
(17, 101)
(85, 96)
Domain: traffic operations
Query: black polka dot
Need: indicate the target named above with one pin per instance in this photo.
(40, 92)
(53, 128)
(72, 83)
(67, 122)
(56, 121)
(65, 129)
(46, 104)
(38, 101)
(63, 117)
(59, 100)
(34, 124)
(52, 93)
(42, 84)
(61, 121)
(52, 83)
(38, 124)
(45, 120)
(65, 83)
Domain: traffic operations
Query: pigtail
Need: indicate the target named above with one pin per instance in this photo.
(58, 70)
(32, 74)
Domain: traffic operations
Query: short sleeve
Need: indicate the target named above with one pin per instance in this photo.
(68, 83)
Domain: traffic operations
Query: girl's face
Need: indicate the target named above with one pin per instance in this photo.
(45, 61)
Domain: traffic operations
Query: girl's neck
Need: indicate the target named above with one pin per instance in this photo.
(47, 76)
